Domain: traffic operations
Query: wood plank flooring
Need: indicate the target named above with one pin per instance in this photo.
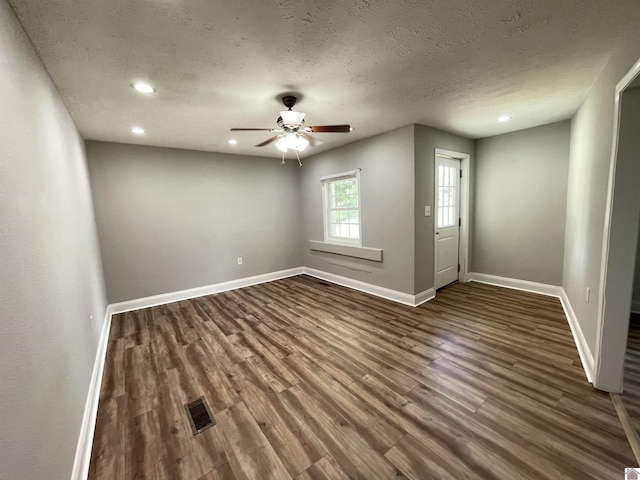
(631, 395)
(309, 381)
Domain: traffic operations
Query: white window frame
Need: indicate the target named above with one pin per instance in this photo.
(324, 182)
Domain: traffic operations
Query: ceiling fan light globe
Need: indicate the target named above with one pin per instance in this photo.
(292, 118)
(301, 143)
(291, 140)
(282, 145)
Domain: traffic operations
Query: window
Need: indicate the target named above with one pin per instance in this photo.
(341, 194)
(447, 178)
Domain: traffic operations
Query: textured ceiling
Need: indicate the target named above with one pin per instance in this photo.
(378, 65)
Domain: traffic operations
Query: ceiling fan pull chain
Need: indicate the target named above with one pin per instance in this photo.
(282, 162)
(299, 162)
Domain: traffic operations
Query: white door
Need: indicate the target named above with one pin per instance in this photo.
(447, 220)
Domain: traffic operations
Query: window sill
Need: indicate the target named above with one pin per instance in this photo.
(374, 254)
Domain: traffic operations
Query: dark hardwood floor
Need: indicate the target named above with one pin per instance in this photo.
(308, 381)
(631, 396)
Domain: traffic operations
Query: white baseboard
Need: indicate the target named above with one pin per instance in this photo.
(389, 294)
(170, 297)
(517, 284)
(85, 441)
(635, 306)
(586, 357)
(425, 296)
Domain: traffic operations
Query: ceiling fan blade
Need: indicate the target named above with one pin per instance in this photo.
(252, 129)
(330, 129)
(312, 140)
(267, 142)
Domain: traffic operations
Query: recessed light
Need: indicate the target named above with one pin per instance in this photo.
(143, 87)
(232, 141)
(137, 130)
(504, 118)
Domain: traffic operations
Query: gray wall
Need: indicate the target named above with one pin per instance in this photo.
(427, 139)
(520, 203)
(172, 219)
(591, 141)
(387, 196)
(636, 276)
(51, 277)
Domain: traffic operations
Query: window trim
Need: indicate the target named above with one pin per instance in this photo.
(324, 181)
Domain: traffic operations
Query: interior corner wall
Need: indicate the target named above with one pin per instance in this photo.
(171, 219)
(51, 282)
(621, 254)
(591, 144)
(520, 203)
(387, 202)
(427, 139)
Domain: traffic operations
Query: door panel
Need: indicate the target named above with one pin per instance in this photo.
(447, 230)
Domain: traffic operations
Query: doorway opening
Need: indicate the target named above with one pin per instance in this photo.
(622, 218)
(451, 217)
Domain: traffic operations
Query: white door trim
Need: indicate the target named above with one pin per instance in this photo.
(604, 380)
(463, 255)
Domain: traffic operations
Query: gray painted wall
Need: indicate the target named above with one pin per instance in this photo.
(387, 197)
(427, 139)
(591, 141)
(51, 281)
(520, 203)
(172, 219)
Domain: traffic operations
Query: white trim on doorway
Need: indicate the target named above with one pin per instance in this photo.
(605, 378)
(463, 258)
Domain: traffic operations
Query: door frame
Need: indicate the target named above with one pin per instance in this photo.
(463, 249)
(611, 342)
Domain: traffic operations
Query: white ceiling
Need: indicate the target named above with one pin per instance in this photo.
(378, 65)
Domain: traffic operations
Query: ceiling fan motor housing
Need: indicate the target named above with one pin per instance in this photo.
(289, 101)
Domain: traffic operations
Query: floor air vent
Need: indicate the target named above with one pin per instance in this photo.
(198, 414)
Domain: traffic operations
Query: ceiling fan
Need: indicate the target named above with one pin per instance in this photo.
(291, 132)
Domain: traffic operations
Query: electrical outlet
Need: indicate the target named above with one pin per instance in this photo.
(239, 260)
(588, 294)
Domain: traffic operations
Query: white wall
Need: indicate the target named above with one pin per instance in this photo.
(520, 203)
(171, 219)
(50, 272)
